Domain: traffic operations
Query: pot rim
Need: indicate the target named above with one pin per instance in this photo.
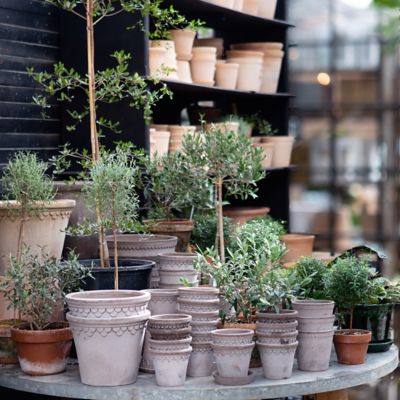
(232, 332)
(47, 205)
(143, 264)
(313, 302)
(295, 237)
(99, 297)
(113, 321)
(171, 318)
(281, 315)
(161, 292)
(171, 342)
(199, 290)
(276, 345)
(233, 347)
(170, 352)
(177, 255)
(139, 239)
(20, 335)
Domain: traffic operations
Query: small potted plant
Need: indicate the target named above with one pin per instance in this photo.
(35, 285)
(183, 36)
(348, 284)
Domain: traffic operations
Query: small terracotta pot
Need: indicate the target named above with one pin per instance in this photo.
(240, 215)
(42, 352)
(222, 3)
(187, 306)
(170, 366)
(283, 317)
(176, 326)
(272, 66)
(311, 308)
(163, 301)
(297, 245)
(226, 75)
(184, 72)
(249, 55)
(232, 337)
(316, 324)
(251, 6)
(218, 43)
(283, 146)
(199, 293)
(159, 142)
(203, 65)
(314, 351)
(159, 127)
(238, 5)
(183, 39)
(170, 56)
(201, 361)
(268, 150)
(277, 359)
(249, 77)
(258, 46)
(156, 60)
(351, 345)
(276, 328)
(267, 8)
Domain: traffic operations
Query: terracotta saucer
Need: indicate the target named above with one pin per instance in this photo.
(245, 380)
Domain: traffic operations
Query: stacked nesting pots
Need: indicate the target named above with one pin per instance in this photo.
(163, 301)
(277, 342)
(169, 55)
(177, 134)
(177, 266)
(316, 331)
(183, 39)
(203, 304)
(108, 328)
(232, 350)
(169, 347)
(203, 65)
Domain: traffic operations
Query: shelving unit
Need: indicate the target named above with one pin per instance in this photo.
(234, 27)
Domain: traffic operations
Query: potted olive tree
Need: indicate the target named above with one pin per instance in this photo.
(35, 285)
(348, 283)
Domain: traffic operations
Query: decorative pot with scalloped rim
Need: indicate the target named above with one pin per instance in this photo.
(163, 301)
(201, 361)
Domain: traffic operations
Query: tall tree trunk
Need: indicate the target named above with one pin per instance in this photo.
(221, 221)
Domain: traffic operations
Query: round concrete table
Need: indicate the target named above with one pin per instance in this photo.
(301, 383)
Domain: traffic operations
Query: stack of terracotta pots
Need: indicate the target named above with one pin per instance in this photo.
(203, 304)
(162, 52)
(169, 347)
(203, 65)
(232, 350)
(277, 342)
(250, 67)
(218, 43)
(282, 149)
(159, 142)
(183, 39)
(177, 266)
(316, 330)
(177, 134)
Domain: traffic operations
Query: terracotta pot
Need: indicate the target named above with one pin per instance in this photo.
(222, 3)
(43, 352)
(258, 46)
(157, 56)
(316, 324)
(173, 279)
(204, 326)
(218, 43)
(238, 5)
(314, 351)
(283, 146)
(277, 338)
(180, 228)
(203, 65)
(297, 245)
(174, 325)
(240, 215)
(277, 359)
(199, 293)
(266, 8)
(146, 247)
(311, 308)
(159, 142)
(201, 361)
(226, 75)
(177, 261)
(159, 127)
(249, 55)
(272, 66)
(170, 366)
(170, 345)
(283, 317)
(184, 73)
(8, 351)
(351, 345)
(204, 316)
(279, 327)
(249, 77)
(232, 337)
(268, 150)
(183, 39)
(163, 301)
(251, 6)
(170, 56)
(201, 337)
(233, 360)
(224, 127)
(187, 306)
(177, 134)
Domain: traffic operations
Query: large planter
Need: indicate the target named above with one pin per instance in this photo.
(240, 215)
(283, 146)
(147, 247)
(351, 345)
(180, 228)
(132, 275)
(43, 352)
(310, 308)
(316, 324)
(108, 328)
(183, 39)
(297, 245)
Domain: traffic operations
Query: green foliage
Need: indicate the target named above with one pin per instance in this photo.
(205, 229)
(113, 85)
(173, 185)
(310, 274)
(262, 126)
(387, 3)
(25, 181)
(34, 285)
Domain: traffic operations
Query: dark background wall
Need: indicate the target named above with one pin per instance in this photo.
(28, 38)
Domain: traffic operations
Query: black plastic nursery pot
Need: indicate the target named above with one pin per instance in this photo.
(375, 318)
(133, 275)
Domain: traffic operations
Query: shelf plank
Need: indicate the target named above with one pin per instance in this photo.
(215, 15)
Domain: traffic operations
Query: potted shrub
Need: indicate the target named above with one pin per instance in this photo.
(233, 167)
(174, 188)
(348, 284)
(35, 285)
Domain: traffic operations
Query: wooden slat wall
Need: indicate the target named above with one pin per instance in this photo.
(29, 37)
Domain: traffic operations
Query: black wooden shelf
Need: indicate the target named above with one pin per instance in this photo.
(233, 20)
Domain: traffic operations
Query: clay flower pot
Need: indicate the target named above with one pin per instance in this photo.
(199, 293)
(266, 8)
(311, 308)
(271, 71)
(159, 142)
(232, 337)
(204, 316)
(187, 306)
(172, 279)
(222, 3)
(240, 215)
(43, 352)
(238, 5)
(218, 43)
(283, 146)
(169, 326)
(163, 301)
(276, 328)
(226, 75)
(257, 46)
(316, 324)
(170, 345)
(277, 359)
(170, 56)
(314, 350)
(277, 337)
(351, 345)
(201, 360)
(251, 6)
(233, 361)
(283, 317)
(204, 326)
(183, 39)
(157, 57)
(201, 337)
(177, 261)
(268, 150)
(203, 65)
(184, 72)
(177, 134)
(297, 245)
(170, 366)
